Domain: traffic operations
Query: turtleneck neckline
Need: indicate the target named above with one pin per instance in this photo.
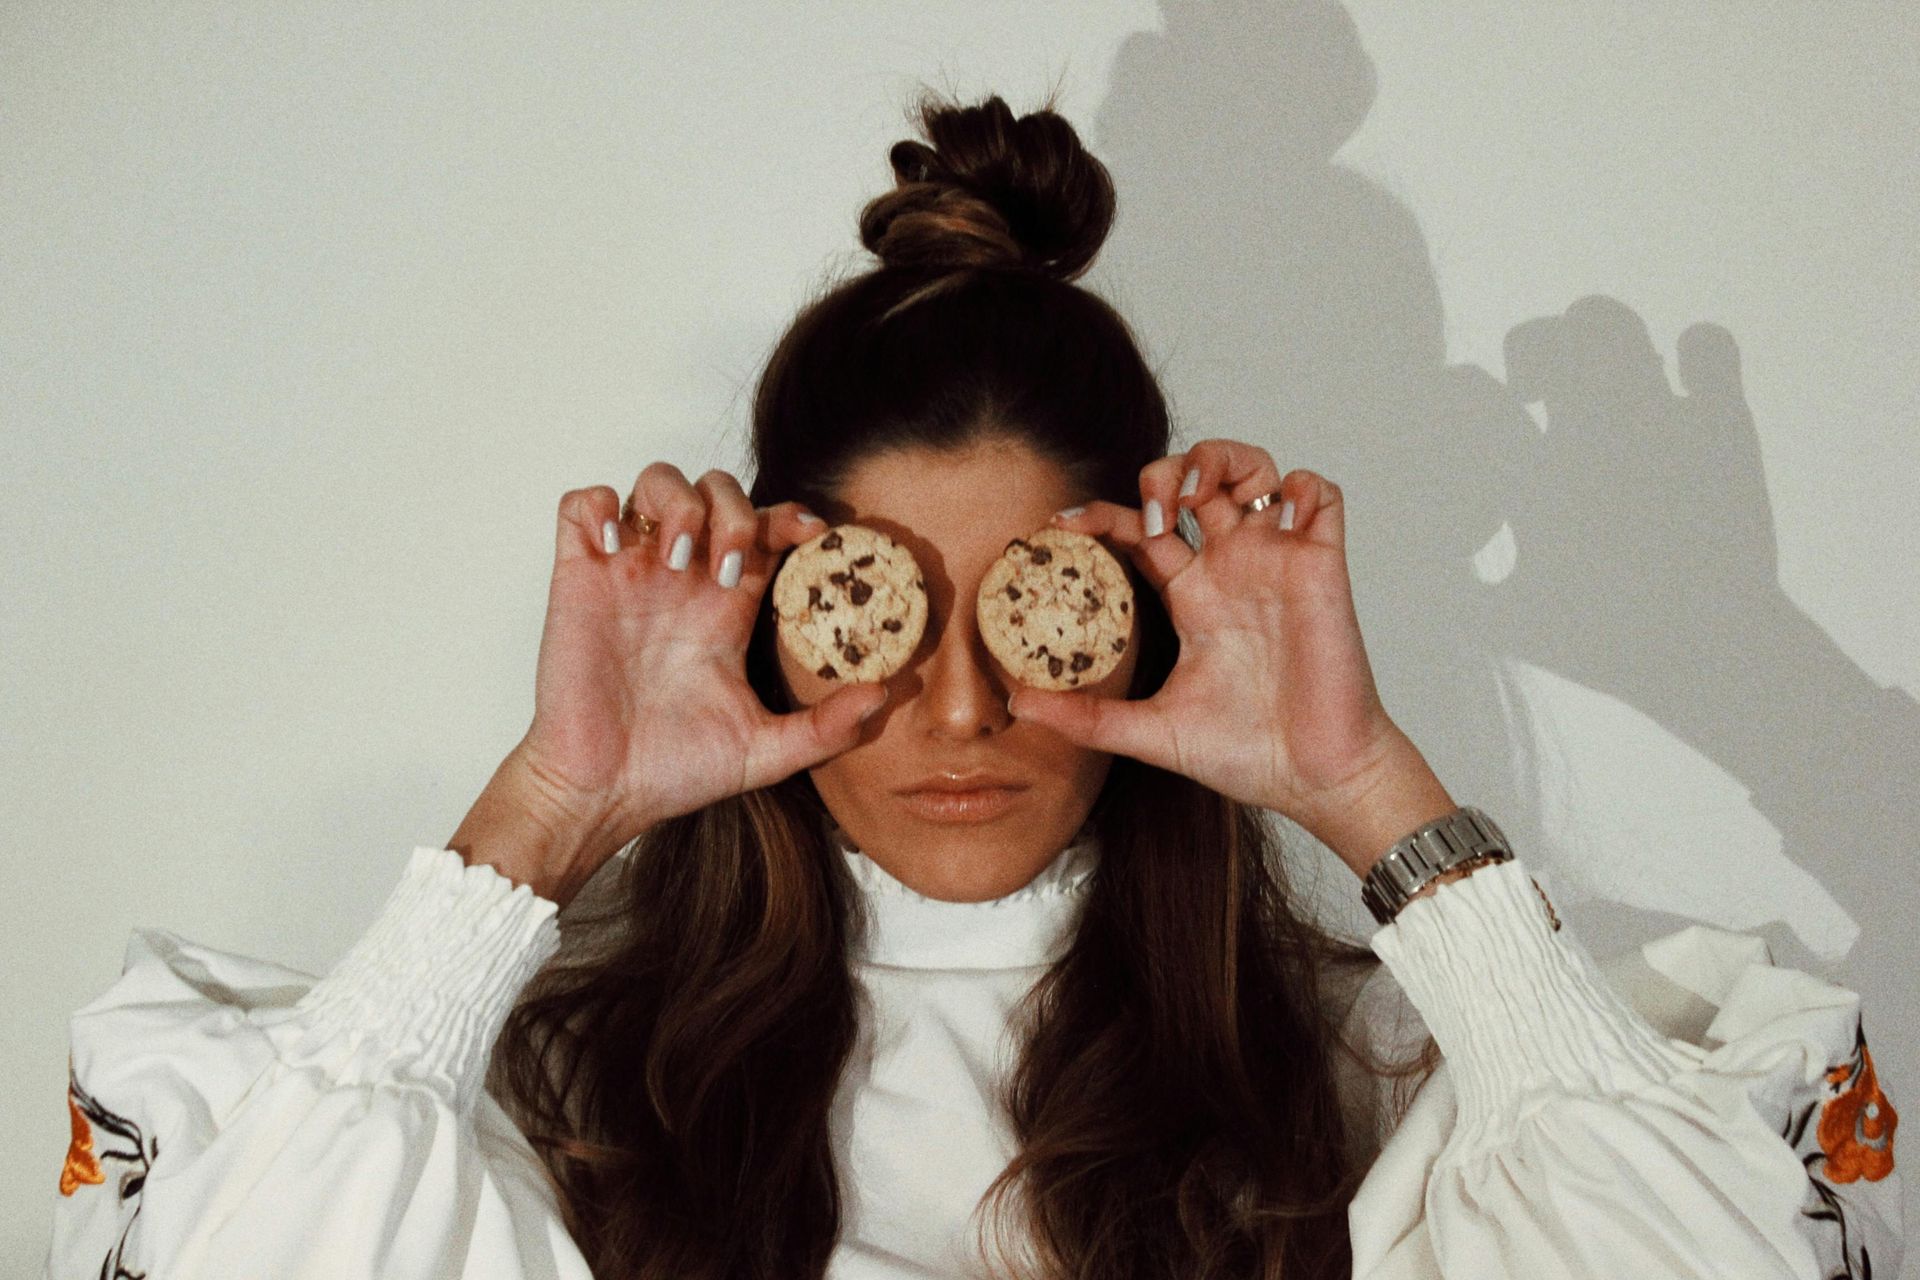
(1032, 925)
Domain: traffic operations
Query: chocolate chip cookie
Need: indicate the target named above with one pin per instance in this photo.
(1056, 609)
(851, 604)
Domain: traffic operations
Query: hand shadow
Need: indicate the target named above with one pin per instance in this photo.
(1647, 570)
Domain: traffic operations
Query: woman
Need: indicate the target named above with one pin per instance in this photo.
(813, 1023)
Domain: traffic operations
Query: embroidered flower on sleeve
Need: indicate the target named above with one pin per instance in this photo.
(122, 1146)
(1841, 1127)
(1857, 1121)
(82, 1168)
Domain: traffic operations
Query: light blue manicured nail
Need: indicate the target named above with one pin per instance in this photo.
(610, 537)
(1071, 512)
(730, 569)
(1156, 523)
(682, 552)
(1191, 483)
(1286, 514)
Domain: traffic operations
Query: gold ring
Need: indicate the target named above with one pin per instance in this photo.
(646, 524)
(1261, 503)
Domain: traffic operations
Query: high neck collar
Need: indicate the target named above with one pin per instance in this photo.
(1033, 925)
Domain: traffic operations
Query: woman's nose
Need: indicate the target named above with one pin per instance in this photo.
(962, 685)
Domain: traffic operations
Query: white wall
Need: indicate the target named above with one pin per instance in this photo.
(312, 312)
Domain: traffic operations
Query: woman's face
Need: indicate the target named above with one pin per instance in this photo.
(947, 708)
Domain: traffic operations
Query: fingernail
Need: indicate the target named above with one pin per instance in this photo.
(874, 710)
(610, 537)
(1191, 484)
(1010, 698)
(1156, 523)
(1286, 514)
(807, 517)
(682, 552)
(1070, 513)
(730, 569)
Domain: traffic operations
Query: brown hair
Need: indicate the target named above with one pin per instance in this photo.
(1175, 1101)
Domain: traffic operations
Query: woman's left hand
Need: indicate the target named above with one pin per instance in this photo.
(1271, 700)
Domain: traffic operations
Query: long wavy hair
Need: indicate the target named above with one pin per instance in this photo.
(1175, 1101)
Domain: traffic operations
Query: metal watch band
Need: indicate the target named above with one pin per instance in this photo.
(1462, 836)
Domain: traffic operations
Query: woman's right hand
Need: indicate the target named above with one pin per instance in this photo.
(642, 710)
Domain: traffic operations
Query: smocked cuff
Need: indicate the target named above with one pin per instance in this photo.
(423, 994)
(1516, 1007)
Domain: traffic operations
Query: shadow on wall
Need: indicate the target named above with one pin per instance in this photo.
(1521, 583)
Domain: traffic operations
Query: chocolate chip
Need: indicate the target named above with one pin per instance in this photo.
(1042, 556)
(1018, 619)
(852, 654)
(863, 561)
(1013, 592)
(839, 577)
(1126, 606)
(1017, 542)
(837, 637)
(1120, 646)
(891, 624)
(1054, 665)
(1069, 572)
(861, 590)
(1081, 661)
(813, 597)
(826, 672)
(831, 542)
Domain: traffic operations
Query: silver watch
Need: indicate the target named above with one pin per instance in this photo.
(1462, 836)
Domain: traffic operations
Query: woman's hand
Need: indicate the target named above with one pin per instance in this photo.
(1272, 700)
(642, 710)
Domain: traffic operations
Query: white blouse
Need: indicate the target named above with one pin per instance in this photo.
(1689, 1110)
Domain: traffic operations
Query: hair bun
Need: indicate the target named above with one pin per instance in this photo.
(991, 191)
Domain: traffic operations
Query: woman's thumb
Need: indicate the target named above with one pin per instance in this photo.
(1104, 724)
(830, 726)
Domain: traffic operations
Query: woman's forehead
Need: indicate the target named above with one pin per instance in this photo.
(954, 510)
(939, 491)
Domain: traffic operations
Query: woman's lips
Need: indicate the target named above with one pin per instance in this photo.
(982, 805)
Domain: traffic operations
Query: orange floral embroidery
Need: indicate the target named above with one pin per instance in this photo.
(81, 1167)
(1857, 1123)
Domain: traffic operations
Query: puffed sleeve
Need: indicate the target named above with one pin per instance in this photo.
(1688, 1110)
(235, 1118)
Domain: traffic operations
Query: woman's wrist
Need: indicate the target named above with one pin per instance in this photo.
(522, 833)
(1397, 797)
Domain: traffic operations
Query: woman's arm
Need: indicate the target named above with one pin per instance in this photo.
(235, 1118)
(1567, 1135)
